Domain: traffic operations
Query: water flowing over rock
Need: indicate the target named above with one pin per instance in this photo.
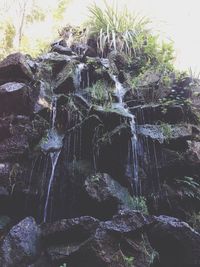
(88, 155)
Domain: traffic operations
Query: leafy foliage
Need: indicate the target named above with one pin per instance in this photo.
(122, 31)
(99, 93)
(128, 261)
(187, 187)
(139, 203)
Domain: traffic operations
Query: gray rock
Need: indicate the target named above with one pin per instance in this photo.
(21, 245)
(105, 195)
(15, 98)
(62, 50)
(177, 243)
(88, 242)
(165, 132)
(14, 68)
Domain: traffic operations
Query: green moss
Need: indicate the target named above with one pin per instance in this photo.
(166, 130)
(99, 93)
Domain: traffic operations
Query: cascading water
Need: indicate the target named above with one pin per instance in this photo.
(53, 145)
(54, 159)
(119, 92)
(133, 151)
(79, 81)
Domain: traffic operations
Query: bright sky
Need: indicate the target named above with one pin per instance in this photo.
(178, 20)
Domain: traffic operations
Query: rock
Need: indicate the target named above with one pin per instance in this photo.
(64, 82)
(43, 261)
(3, 192)
(117, 61)
(21, 245)
(18, 143)
(5, 169)
(13, 147)
(194, 151)
(192, 158)
(43, 102)
(15, 98)
(105, 196)
(81, 102)
(177, 243)
(111, 117)
(153, 113)
(108, 244)
(90, 52)
(165, 132)
(69, 230)
(128, 221)
(4, 223)
(62, 50)
(14, 68)
(5, 130)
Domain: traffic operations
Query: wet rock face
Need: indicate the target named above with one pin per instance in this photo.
(177, 243)
(109, 139)
(15, 68)
(105, 196)
(15, 98)
(22, 244)
(112, 243)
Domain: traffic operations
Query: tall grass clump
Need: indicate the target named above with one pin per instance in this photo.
(119, 30)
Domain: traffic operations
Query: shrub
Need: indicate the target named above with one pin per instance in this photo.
(122, 31)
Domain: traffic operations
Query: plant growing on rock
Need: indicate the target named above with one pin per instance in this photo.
(188, 187)
(99, 93)
(119, 30)
(128, 261)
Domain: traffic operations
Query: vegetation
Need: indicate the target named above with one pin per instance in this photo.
(99, 93)
(128, 261)
(188, 187)
(20, 20)
(166, 130)
(139, 203)
(123, 31)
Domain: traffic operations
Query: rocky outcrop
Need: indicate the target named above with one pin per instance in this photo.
(105, 196)
(177, 243)
(15, 68)
(82, 150)
(15, 98)
(87, 242)
(21, 245)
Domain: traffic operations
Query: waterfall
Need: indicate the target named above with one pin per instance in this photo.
(134, 158)
(53, 112)
(52, 145)
(119, 92)
(133, 151)
(54, 158)
(79, 81)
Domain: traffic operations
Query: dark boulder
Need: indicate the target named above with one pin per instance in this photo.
(62, 49)
(154, 113)
(85, 241)
(177, 243)
(21, 245)
(165, 132)
(15, 68)
(105, 196)
(15, 98)
(68, 230)
(64, 81)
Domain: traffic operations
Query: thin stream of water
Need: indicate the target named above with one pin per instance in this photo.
(133, 156)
